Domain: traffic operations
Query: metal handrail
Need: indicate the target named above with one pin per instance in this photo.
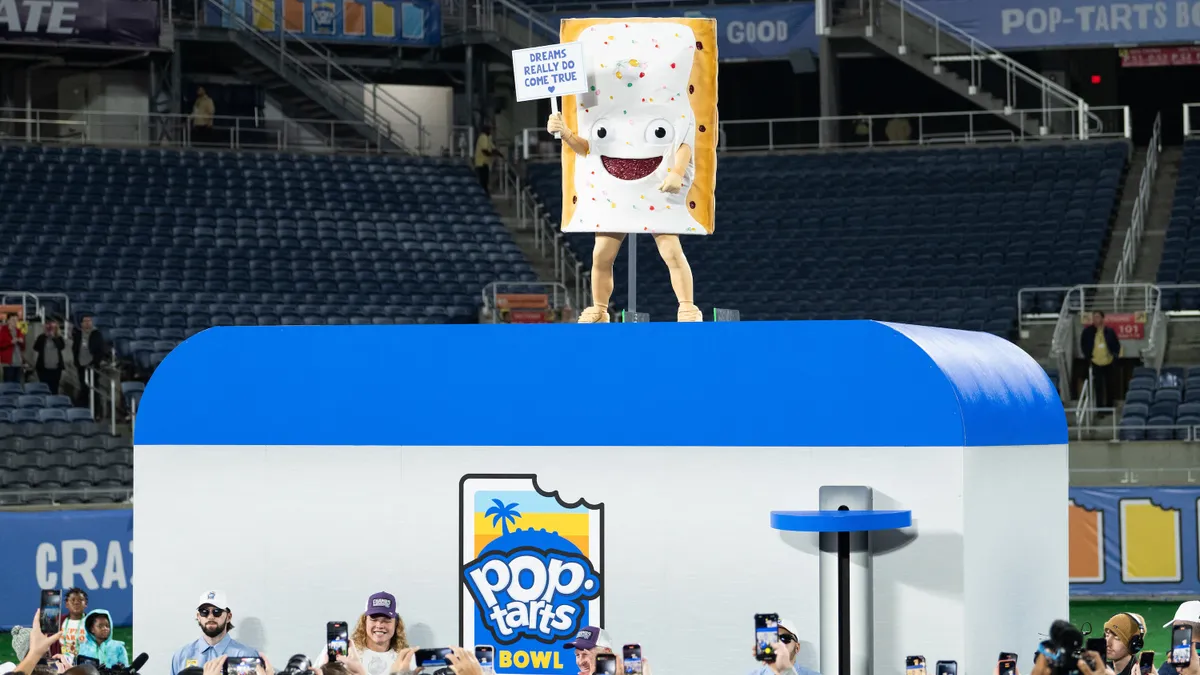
(481, 15)
(1141, 209)
(39, 308)
(332, 63)
(230, 132)
(108, 393)
(978, 127)
(981, 52)
(381, 126)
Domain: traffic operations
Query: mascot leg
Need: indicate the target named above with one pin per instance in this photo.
(604, 254)
(671, 251)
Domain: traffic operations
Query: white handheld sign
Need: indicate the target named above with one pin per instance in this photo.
(549, 72)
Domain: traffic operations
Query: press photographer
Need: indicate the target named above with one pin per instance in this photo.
(1125, 635)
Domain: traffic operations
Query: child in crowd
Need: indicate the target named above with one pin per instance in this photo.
(99, 645)
(73, 631)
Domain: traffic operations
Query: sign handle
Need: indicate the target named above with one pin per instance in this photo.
(554, 109)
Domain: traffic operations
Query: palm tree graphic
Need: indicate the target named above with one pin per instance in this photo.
(503, 514)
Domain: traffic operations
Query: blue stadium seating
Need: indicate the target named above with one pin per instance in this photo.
(940, 237)
(1181, 250)
(160, 244)
(1167, 399)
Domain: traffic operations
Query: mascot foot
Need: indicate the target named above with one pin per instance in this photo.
(593, 314)
(689, 313)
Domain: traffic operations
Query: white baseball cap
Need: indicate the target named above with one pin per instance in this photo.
(7, 667)
(214, 598)
(1188, 611)
(787, 623)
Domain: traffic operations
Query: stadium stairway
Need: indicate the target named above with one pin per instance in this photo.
(542, 264)
(1124, 219)
(1162, 195)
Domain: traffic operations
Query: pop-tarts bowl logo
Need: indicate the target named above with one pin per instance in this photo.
(531, 571)
(532, 593)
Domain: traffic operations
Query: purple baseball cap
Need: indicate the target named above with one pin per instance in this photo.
(590, 637)
(382, 604)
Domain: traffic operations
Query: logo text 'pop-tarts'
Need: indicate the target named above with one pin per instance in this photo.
(528, 594)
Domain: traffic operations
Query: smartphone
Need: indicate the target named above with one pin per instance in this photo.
(914, 665)
(1008, 656)
(1008, 666)
(632, 655)
(1098, 645)
(433, 657)
(87, 660)
(337, 639)
(1181, 646)
(1146, 662)
(486, 656)
(241, 665)
(947, 668)
(51, 607)
(766, 634)
(606, 664)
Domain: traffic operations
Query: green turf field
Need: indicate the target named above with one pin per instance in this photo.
(1094, 611)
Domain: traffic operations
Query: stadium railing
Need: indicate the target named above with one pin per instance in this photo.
(1141, 210)
(525, 302)
(38, 305)
(104, 391)
(968, 127)
(37, 125)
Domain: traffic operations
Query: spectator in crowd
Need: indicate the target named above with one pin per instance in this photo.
(898, 130)
(12, 349)
(485, 150)
(379, 640)
(1100, 346)
(99, 644)
(88, 348)
(215, 620)
(51, 350)
(786, 651)
(203, 112)
(35, 645)
(1187, 614)
(71, 625)
(1125, 634)
(588, 642)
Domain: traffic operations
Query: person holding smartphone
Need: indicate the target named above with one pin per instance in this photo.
(1125, 635)
(76, 603)
(588, 642)
(1187, 614)
(786, 652)
(379, 641)
(215, 620)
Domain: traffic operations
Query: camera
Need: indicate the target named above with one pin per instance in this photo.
(298, 665)
(1063, 649)
(131, 669)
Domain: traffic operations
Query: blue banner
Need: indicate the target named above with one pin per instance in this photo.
(1134, 541)
(743, 31)
(1013, 24)
(62, 549)
(415, 23)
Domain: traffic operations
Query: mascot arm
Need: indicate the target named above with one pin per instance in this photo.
(576, 142)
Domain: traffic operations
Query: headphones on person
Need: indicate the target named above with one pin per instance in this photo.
(1136, 642)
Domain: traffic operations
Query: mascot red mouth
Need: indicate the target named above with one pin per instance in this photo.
(630, 169)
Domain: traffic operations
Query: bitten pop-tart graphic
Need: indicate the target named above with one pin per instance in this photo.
(652, 89)
(531, 571)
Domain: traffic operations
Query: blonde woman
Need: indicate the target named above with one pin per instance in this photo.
(378, 640)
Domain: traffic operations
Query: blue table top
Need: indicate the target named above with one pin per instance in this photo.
(839, 521)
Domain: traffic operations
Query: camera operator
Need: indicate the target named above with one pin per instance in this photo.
(1125, 634)
(786, 651)
(215, 620)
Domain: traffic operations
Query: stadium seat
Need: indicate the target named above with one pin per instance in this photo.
(1181, 247)
(939, 236)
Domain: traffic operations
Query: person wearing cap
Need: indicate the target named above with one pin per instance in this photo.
(379, 642)
(1188, 614)
(786, 651)
(1125, 635)
(215, 620)
(589, 641)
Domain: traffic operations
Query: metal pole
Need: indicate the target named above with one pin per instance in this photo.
(29, 105)
(469, 90)
(112, 405)
(632, 309)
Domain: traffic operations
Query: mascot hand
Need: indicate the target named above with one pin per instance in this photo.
(555, 125)
(672, 183)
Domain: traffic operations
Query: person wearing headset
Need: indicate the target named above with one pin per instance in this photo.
(1125, 635)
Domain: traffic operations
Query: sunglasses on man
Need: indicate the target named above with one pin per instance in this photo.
(787, 639)
(214, 611)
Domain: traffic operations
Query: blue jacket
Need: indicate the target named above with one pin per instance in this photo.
(110, 652)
